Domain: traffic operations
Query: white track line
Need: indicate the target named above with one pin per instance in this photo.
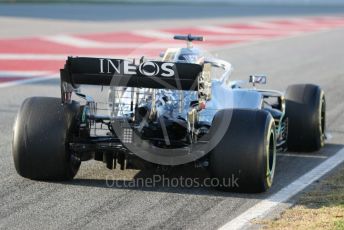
(14, 56)
(242, 31)
(226, 37)
(29, 80)
(272, 39)
(23, 73)
(287, 27)
(87, 43)
(267, 205)
(49, 57)
(156, 34)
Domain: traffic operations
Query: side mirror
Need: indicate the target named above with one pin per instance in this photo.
(257, 79)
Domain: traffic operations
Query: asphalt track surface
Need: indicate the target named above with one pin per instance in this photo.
(88, 202)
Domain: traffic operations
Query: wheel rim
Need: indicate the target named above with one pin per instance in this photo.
(322, 119)
(271, 158)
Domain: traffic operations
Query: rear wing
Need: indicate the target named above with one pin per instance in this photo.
(125, 73)
(121, 72)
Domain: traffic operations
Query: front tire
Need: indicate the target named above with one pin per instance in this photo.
(42, 130)
(247, 151)
(306, 113)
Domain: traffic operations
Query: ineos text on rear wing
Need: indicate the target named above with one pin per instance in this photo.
(121, 72)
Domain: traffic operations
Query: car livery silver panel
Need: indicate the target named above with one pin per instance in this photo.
(224, 97)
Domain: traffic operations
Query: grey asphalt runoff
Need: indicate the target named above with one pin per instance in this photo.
(154, 11)
(88, 202)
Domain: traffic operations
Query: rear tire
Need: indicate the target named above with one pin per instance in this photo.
(42, 130)
(246, 153)
(306, 113)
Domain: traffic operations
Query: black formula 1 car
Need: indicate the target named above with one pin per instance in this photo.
(179, 109)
